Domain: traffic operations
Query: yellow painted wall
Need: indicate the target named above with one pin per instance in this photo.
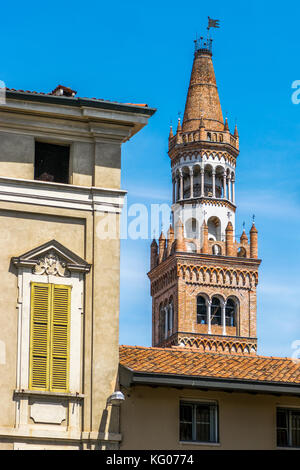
(21, 232)
(150, 418)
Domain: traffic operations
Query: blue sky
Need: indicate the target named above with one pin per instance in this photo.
(142, 52)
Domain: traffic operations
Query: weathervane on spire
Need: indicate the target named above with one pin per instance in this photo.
(212, 24)
(202, 44)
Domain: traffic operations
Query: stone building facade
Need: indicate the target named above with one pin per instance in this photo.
(60, 173)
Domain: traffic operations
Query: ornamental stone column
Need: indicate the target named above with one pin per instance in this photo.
(233, 190)
(166, 322)
(229, 187)
(181, 184)
(209, 316)
(224, 186)
(171, 318)
(214, 182)
(174, 189)
(202, 182)
(224, 318)
(191, 182)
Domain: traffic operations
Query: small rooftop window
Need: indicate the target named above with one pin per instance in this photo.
(51, 162)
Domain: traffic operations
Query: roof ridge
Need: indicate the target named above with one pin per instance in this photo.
(193, 350)
(49, 94)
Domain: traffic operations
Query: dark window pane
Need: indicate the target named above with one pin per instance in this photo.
(230, 313)
(201, 310)
(205, 423)
(216, 314)
(288, 428)
(282, 419)
(295, 438)
(202, 413)
(295, 428)
(203, 432)
(186, 413)
(282, 437)
(186, 422)
(186, 432)
(51, 162)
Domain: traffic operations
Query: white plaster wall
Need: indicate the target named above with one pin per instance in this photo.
(187, 211)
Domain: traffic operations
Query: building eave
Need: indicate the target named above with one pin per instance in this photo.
(125, 119)
(129, 377)
(81, 102)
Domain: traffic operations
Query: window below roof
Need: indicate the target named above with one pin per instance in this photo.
(198, 422)
(51, 162)
(288, 427)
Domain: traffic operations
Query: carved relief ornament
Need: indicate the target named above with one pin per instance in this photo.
(51, 264)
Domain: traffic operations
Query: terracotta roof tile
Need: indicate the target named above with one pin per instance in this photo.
(184, 362)
(69, 89)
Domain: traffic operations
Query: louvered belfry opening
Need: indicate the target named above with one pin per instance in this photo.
(50, 331)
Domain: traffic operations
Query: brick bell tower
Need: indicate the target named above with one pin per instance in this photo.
(203, 281)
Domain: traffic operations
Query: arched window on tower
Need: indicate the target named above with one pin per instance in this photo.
(230, 313)
(191, 228)
(216, 250)
(170, 317)
(216, 313)
(201, 310)
(162, 320)
(214, 228)
(191, 247)
(241, 252)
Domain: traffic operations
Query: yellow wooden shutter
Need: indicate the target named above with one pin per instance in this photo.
(39, 337)
(60, 326)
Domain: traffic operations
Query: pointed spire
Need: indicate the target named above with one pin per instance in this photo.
(171, 132)
(226, 126)
(203, 95)
(153, 256)
(162, 246)
(229, 227)
(180, 242)
(236, 134)
(179, 125)
(170, 231)
(170, 238)
(154, 243)
(244, 238)
(253, 241)
(229, 239)
(204, 248)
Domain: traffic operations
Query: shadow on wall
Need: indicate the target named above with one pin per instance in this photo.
(109, 424)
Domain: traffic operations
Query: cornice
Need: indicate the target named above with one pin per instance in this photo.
(203, 146)
(66, 196)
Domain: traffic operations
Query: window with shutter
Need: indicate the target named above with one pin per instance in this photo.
(59, 361)
(39, 337)
(49, 342)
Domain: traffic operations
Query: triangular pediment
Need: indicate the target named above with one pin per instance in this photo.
(52, 258)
